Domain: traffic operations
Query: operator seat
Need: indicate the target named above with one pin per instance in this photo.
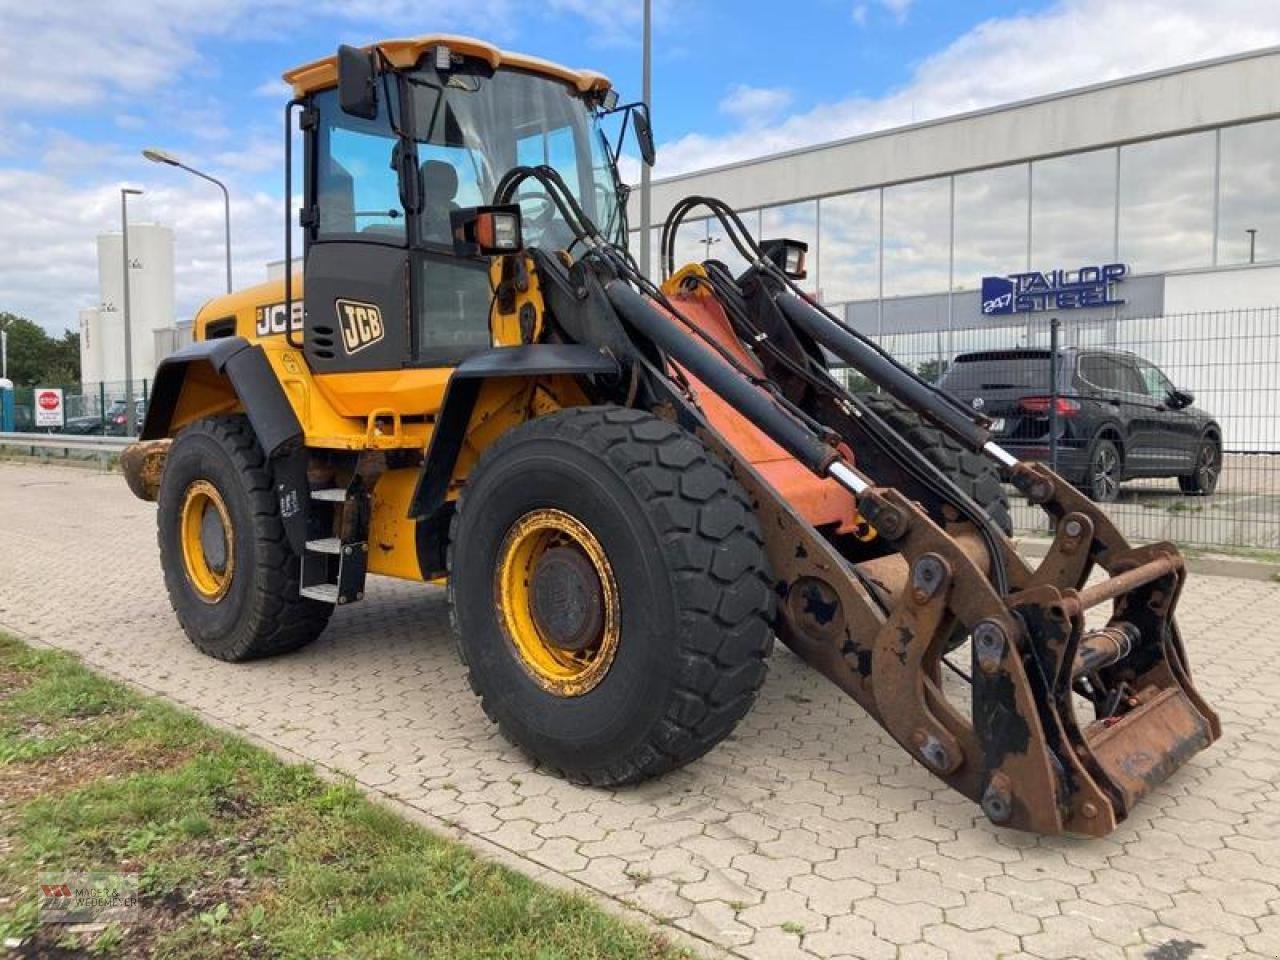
(439, 181)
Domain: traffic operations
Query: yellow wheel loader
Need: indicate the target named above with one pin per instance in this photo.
(629, 488)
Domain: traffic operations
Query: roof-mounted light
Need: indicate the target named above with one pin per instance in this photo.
(788, 255)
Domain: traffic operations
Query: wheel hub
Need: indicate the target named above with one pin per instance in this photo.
(207, 542)
(557, 601)
(567, 600)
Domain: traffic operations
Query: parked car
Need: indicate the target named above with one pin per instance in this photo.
(115, 418)
(1118, 415)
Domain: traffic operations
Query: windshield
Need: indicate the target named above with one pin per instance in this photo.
(472, 129)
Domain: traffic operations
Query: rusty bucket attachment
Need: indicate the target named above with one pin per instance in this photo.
(1020, 750)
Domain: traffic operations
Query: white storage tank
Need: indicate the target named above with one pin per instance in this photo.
(90, 350)
(151, 305)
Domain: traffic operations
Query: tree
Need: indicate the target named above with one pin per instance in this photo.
(932, 370)
(37, 359)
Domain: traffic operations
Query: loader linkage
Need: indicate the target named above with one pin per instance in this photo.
(877, 630)
(879, 627)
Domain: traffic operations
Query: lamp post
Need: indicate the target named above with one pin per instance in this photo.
(162, 156)
(646, 94)
(125, 193)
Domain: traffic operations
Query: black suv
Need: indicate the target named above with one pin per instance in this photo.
(1118, 416)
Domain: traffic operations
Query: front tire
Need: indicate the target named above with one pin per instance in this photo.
(610, 593)
(230, 572)
(1203, 480)
(971, 472)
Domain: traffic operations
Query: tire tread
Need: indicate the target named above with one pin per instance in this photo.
(714, 554)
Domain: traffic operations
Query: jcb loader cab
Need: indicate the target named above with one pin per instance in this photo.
(628, 488)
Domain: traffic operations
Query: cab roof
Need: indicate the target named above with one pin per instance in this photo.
(403, 53)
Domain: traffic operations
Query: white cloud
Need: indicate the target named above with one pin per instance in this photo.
(274, 89)
(860, 14)
(48, 227)
(752, 106)
(897, 8)
(1005, 59)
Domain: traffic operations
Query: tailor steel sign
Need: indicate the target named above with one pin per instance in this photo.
(1036, 292)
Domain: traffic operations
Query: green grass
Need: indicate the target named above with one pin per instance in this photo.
(238, 854)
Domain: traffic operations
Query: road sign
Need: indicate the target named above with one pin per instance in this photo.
(48, 407)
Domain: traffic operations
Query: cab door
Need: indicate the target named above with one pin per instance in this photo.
(356, 245)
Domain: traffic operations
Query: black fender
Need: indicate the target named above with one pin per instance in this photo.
(531, 360)
(246, 367)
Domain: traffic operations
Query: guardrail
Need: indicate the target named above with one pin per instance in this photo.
(47, 444)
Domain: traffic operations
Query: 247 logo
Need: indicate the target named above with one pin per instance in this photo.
(361, 325)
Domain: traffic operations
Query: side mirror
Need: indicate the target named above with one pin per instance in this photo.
(405, 164)
(357, 83)
(1180, 399)
(644, 132)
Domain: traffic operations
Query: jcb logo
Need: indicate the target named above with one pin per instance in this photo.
(271, 318)
(361, 325)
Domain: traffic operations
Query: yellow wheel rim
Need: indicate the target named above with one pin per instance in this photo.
(208, 553)
(557, 601)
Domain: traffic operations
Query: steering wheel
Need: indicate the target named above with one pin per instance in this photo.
(541, 218)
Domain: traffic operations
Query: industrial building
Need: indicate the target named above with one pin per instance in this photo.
(1155, 196)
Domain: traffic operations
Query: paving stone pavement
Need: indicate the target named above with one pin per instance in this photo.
(808, 834)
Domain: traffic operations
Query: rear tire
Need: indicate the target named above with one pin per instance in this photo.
(1105, 471)
(971, 472)
(1202, 481)
(235, 586)
(683, 571)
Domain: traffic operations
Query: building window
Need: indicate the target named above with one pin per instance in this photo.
(1073, 207)
(991, 225)
(1166, 203)
(795, 221)
(917, 237)
(690, 245)
(849, 247)
(719, 246)
(1249, 192)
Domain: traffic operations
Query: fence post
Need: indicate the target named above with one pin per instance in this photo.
(102, 404)
(1054, 324)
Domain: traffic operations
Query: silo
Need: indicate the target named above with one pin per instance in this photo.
(90, 350)
(151, 305)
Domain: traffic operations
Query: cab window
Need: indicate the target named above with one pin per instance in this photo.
(357, 193)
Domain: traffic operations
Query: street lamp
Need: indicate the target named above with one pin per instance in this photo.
(646, 94)
(163, 156)
(129, 426)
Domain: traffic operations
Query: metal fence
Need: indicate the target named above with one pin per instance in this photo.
(1229, 360)
(88, 408)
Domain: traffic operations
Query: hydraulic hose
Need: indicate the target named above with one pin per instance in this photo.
(749, 400)
(905, 387)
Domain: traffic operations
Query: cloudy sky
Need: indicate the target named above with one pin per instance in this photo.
(89, 84)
